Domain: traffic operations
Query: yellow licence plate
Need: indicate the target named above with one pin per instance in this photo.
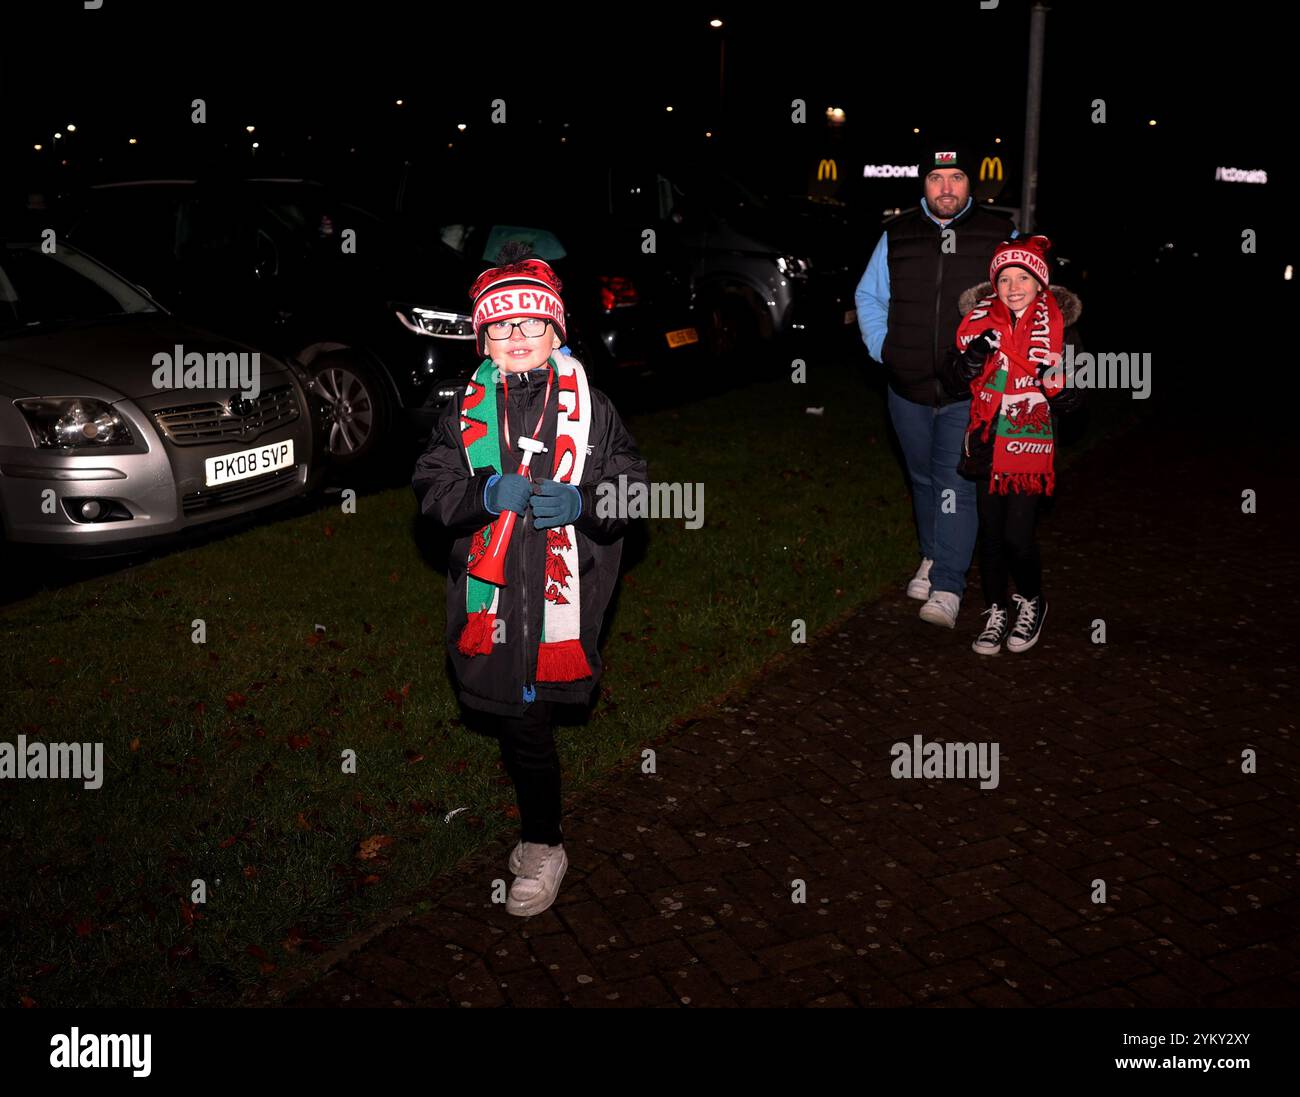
(682, 337)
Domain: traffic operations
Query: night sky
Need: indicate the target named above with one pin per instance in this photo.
(1215, 89)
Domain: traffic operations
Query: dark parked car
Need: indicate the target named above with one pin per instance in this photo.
(381, 322)
(121, 427)
(630, 311)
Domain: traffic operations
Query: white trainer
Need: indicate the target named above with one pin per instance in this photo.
(919, 585)
(541, 868)
(941, 609)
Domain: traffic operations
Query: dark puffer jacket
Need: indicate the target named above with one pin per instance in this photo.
(978, 462)
(449, 494)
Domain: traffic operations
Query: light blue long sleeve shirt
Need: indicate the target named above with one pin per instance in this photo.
(872, 295)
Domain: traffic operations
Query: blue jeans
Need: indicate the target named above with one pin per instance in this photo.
(931, 440)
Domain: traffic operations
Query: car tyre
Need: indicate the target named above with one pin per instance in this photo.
(361, 409)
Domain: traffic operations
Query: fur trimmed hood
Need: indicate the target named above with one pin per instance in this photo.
(1069, 304)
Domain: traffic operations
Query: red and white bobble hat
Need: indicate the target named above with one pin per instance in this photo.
(1030, 253)
(527, 287)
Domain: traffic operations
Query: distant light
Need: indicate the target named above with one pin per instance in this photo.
(71, 128)
(58, 136)
(257, 144)
(38, 147)
(835, 115)
(460, 126)
(915, 130)
(708, 133)
(1287, 273)
(669, 109)
(449, 144)
(997, 140)
(132, 141)
(1152, 122)
(715, 23)
(249, 129)
(399, 102)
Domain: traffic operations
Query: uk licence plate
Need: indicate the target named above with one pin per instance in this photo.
(248, 462)
(682, 337)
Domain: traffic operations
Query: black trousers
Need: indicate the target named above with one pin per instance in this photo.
(1007, 544)
(529, 756)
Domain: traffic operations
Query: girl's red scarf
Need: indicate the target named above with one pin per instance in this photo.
(1010, 391)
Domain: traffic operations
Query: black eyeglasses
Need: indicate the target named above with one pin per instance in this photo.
(503, 329)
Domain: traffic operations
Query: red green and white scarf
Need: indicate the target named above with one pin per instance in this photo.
(560, 657)
(1010, 391)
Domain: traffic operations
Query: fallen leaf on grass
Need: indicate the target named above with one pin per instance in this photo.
(369, 848)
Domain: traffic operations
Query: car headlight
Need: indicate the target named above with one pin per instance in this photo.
(440, 325)
(792, 266)
(74, 423)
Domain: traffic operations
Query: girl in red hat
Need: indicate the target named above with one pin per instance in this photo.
(1008, 355)
(537, 551)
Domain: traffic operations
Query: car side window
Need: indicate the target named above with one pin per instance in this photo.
(214, 238)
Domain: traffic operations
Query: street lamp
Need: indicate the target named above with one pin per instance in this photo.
(716, 24)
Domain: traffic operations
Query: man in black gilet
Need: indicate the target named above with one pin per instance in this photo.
(907, 311)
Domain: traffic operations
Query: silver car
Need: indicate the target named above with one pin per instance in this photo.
(121, 428)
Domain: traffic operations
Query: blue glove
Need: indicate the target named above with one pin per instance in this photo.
(508, 492)
(555, 504)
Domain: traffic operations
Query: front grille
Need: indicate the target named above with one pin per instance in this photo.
(197, 501)
(213, 421)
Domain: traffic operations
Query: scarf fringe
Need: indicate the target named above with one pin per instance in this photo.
(564, 661)
(476, 636)
(1023, 483)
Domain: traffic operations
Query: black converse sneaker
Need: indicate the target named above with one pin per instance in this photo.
(990, 640)
(1029, 623)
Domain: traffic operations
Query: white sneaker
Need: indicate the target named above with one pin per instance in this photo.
(541, 868)
(919, 586)
(941, 609)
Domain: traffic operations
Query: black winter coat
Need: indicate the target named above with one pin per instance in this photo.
(977, 461)
(451, 496)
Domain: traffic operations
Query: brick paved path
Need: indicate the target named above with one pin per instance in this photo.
(1119, 762)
